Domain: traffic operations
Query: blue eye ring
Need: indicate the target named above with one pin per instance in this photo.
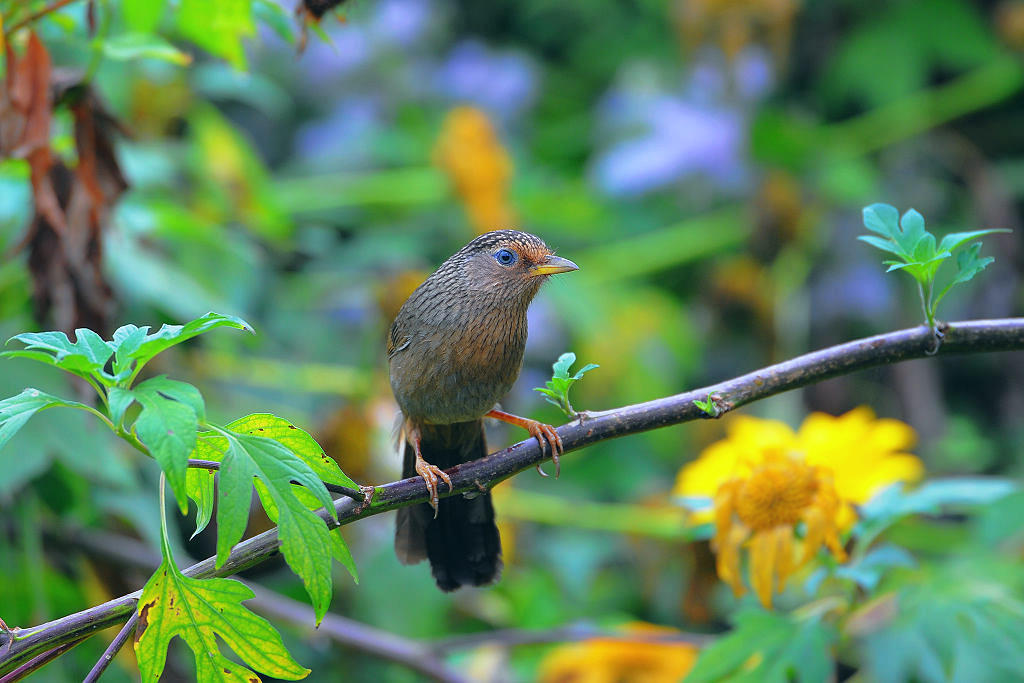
(506, 257)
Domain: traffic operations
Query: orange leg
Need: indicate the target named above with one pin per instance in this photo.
(430, 473)
(544, 433)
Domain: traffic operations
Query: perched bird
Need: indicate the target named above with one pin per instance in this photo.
(454, 350)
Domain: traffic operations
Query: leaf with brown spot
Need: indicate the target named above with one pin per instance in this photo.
(212, 608)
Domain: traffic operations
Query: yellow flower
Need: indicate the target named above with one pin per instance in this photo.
(610, 660)
(765, 480)
(470, 153)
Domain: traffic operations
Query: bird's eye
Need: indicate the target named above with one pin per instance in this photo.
(505, 257)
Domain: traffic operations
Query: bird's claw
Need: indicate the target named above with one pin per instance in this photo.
(547, 437)
(430, 474)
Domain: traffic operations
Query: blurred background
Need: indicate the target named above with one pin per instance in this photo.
(705, 162)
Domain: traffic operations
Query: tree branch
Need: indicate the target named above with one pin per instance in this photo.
(918, 342)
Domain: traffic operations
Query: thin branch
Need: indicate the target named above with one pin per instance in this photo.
(38, 14)
(962, 337)
(39, 661)
(354, 494)
(115, 646)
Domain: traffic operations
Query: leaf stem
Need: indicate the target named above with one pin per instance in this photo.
(52, 7)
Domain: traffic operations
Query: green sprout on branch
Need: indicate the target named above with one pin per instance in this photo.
(918, 253)
(556, 391)
(709, 406)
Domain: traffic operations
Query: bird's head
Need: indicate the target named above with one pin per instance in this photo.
(510, 263)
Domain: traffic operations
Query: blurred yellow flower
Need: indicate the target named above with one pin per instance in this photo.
(765, 479)
(478, 166)
(611, 660)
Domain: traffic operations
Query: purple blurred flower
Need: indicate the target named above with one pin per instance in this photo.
(503, 83)
(400, 22)
(344, 137)
(681, 139)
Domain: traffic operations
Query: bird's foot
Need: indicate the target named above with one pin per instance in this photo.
(545, 434)
(430, 474)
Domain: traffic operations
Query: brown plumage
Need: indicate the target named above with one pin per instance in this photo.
(454, 351)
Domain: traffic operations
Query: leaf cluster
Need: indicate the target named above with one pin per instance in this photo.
(166, 419)
(556, 389)
(920, 255)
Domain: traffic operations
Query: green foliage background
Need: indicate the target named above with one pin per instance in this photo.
(299, 193)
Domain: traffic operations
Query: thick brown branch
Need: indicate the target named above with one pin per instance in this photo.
(962, 337)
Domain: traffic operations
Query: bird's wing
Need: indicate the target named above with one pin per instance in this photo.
(396, 340)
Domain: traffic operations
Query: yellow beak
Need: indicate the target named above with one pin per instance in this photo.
(553, 264)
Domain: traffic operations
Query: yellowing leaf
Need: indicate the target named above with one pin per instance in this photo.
(199, 611)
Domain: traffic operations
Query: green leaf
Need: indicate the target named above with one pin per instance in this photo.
(556, 391)
(297, 441)
(879, 243)
(170, 335)
(168, 426)
(954, 240)
(119, 399)
(274, 16)
(218, 27)
(143, 16)
(883, 219)
(176, 390)
(969, 263)
(766, 646)
(562, 365)
(309, 451)
(304, 536)
(133, 46)
(199, 487)
(127, 340)
(912, 234)
(16, 410)
(200, 611)
(85, 357)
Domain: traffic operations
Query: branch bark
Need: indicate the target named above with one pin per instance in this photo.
(974, 336)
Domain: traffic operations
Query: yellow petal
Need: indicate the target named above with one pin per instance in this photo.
(814, 518)
(727, 561)
(762, 565)
(784, 565)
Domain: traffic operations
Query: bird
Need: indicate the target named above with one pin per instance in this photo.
(454, 350)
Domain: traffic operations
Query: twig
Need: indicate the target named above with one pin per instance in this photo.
(108, 655)
(39, 661)
(961, 337)
(52, 7)
(354, 494)
(411, 653)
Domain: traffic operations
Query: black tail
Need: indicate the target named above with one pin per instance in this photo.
(462, 543)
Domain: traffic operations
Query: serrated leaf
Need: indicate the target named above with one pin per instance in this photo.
(309, 451)
(297, 441)
(954, 240)
(303, 534)
(766, 646)
(882, 218)
(133, 46)
(170, 335)
(168, 428)
(87, 356)
(16, 410)
(199, 611)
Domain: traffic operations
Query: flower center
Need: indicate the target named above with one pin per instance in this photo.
(776, 493)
